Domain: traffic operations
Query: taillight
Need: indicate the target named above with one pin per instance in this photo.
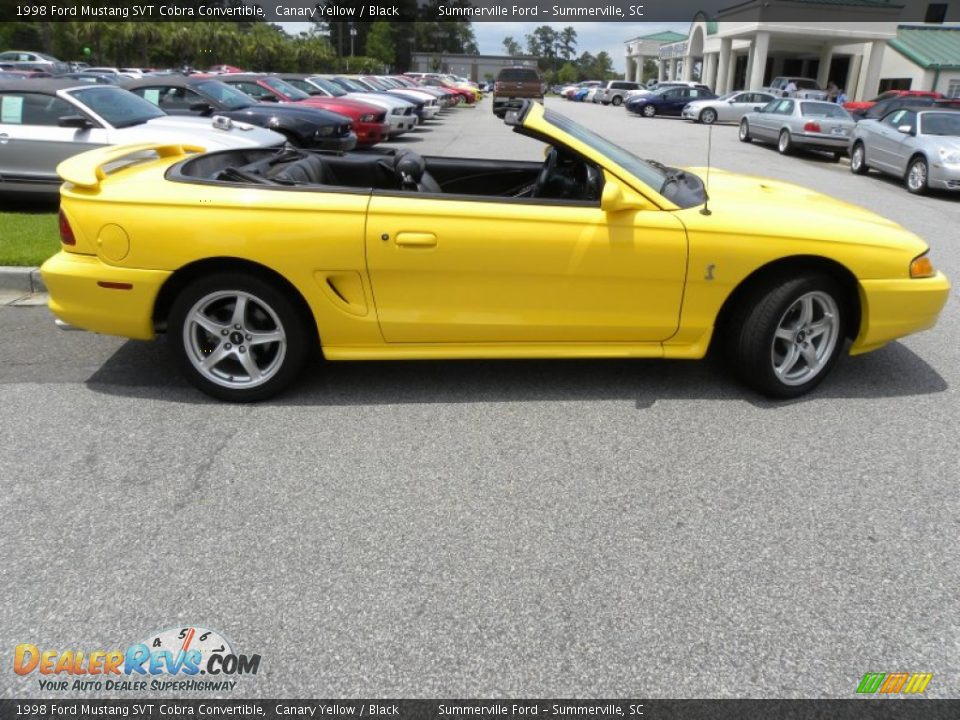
(66, 232)
(496, 86)
(812, 127)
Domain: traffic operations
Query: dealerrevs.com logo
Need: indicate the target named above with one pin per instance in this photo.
(173, 659)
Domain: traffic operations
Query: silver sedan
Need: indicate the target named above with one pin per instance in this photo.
(793, 123)
(726, 108)
(43, 122)
(920, 145)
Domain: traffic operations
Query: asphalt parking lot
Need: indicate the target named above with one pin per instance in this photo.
(492, 529)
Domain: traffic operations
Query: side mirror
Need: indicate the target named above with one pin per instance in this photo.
(758, 108)
(905, 129)
(612, 199)
(75, 121)
(202, 108)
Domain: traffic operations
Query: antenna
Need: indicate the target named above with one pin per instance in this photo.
(706, 185)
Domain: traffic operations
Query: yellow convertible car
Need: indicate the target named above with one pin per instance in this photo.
(248, 259)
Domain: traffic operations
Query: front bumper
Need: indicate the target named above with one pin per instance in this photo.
(78, 296)
(401, 123)
(340, 144)
(891, 309)
(942, 177)
(371, 133)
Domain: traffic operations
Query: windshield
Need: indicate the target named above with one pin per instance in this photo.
(284, 87)
(329, 86)
(651, 175)
(229, 97)
(350, 85)
(821, 109)
(376, 84)
(119, 108)
(940, 123)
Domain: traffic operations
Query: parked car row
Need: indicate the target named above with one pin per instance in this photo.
(45, 120)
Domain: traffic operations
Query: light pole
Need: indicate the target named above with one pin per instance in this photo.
(353, 34)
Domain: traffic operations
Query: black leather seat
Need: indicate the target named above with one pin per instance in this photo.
(310, 170)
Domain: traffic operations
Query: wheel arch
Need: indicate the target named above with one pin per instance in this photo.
(185, 275)
(794, 266)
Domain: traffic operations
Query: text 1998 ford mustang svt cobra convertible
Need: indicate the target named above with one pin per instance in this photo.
(246, 258)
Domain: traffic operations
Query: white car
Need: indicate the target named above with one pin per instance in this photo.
(44, 122)
(28, 60)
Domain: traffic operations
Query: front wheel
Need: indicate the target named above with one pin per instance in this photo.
(785, 337)
(916, 177)
(708, 116)
(858, 160)
(745, 131)
(649, 111)
(785, 143)
(237, 337)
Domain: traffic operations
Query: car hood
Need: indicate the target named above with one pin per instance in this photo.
(946, 142)
(199, 131)
(313, 114)
(787, 210)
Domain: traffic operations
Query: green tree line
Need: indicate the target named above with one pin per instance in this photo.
(556, 53)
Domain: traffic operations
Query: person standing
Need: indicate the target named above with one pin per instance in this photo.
(790, 90)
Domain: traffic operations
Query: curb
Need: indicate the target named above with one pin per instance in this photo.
(21, 279)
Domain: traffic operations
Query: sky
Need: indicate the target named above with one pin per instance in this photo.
(592, 37)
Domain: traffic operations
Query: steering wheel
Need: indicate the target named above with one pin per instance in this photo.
(549, 165)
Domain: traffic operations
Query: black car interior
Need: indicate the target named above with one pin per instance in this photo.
(562, 176)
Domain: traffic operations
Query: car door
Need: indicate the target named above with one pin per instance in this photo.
(905, 143)
(884, 146)
(739, 105)
(465, 269)
(677, 99)
(32, 142)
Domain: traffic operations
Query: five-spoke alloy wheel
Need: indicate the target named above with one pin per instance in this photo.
(916, 178)
(784, 337)
(237, 337)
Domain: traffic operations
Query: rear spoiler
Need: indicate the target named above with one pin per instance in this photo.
(87, 169)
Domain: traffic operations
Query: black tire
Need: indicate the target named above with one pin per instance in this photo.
(617, 101)
(785, 143)
(858, 159)
(269, 311)
(708, 116)
(917, 185)
(744, 132)
(648, 111)
(753, 348)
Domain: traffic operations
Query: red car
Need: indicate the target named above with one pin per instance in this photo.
(867, 104)
(369, 121)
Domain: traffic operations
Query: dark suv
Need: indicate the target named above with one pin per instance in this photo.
(514, 84)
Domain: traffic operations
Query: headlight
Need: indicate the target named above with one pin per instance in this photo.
(949, 156)
(326, 131)
(367, 118)
(921, 267)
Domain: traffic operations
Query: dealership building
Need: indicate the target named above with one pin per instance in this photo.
(473, 67)
(861, 45)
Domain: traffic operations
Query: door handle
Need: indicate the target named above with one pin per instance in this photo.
(416, 239)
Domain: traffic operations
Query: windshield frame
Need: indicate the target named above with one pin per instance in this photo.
(639, 168)
(201, 87)
(282, 86)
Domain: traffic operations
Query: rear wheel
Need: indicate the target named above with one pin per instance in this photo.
(237, 337)
(785, 337)
(745, 131)
(858, 160)
(708, 116)
(617, 101)
(917, 176)
(785, 143)
(649, 111)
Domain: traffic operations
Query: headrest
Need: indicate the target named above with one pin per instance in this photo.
(411, 164)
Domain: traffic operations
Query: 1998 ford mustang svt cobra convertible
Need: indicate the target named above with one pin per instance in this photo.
(248, 258)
